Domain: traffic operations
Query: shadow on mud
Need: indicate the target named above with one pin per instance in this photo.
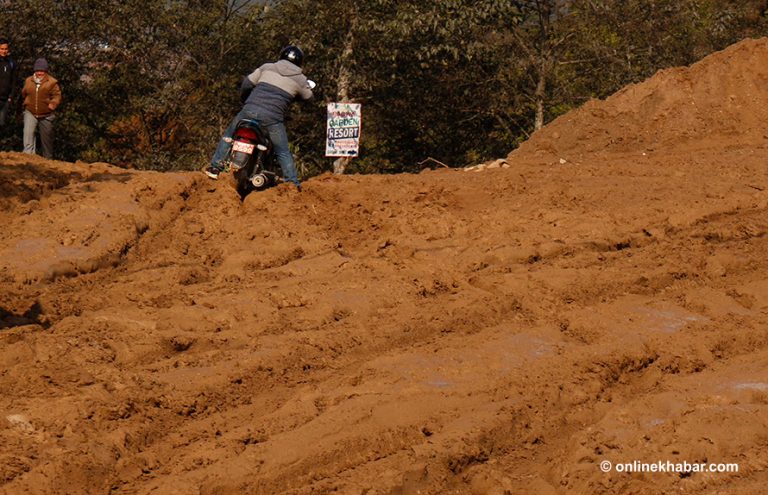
(29, 182)
(30, 317)
(122, 178)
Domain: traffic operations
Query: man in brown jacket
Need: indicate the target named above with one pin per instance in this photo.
(41, 94)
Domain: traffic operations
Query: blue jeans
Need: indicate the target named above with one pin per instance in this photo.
(277, 134)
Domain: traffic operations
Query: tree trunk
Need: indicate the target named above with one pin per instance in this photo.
(539, 96)
(342, 93)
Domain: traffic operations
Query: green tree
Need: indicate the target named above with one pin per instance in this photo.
(456, 80)
(154, 89)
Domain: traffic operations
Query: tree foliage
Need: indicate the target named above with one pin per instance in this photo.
(151, 83)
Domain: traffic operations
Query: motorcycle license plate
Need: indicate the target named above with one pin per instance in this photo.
(243, 147)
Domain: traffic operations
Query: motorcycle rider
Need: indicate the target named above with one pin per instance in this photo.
(272, 87)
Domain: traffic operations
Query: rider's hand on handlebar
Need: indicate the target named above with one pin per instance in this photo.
(312, 84)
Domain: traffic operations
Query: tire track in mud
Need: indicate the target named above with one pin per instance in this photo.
(621, 369)
(618, 373)
(613, 373)
(105, 216)
(195, 336)
(661, 359)
(125, 417)
(459, 462)
(485, 333)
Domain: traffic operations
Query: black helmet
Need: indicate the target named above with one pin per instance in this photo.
(293, 54)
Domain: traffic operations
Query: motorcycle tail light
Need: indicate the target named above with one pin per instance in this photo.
(246, 133)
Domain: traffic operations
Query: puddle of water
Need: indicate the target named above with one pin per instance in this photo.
(452, 368)
(762, 387)
(668, 321)
(439, 384)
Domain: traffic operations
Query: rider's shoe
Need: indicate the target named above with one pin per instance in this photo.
(213, 172)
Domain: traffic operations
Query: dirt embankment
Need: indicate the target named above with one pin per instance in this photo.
(603, 299)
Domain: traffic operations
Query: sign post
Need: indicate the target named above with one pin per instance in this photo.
(343, 137)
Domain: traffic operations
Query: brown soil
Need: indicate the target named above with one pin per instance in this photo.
(501, 332)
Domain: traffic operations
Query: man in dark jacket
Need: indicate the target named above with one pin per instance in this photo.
(272, 88)
(8, 70)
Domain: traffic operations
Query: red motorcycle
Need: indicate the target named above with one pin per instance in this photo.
(252, 160)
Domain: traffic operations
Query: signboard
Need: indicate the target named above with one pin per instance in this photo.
(343, 137)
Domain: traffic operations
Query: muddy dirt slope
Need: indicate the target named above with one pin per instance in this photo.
(602, 300)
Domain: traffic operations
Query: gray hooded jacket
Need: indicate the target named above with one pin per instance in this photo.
(275, 86)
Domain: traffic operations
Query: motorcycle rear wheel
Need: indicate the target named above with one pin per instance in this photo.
(240, 182)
